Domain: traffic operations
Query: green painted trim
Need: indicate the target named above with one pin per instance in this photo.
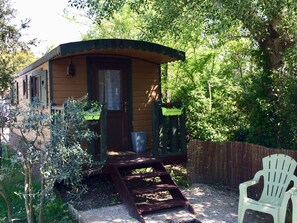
(50, 76)
(69, 49)
(88, 76)
(103, 134)
(130, 101)
(91, 145)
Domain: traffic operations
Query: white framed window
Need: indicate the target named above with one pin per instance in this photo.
(25, 87)
(38, 86)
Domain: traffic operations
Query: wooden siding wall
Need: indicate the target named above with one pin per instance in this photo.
(227, 163)
(64, 86)
(14, 137)
(23, 100)
(145, 89)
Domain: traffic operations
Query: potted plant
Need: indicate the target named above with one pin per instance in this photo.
(172, 107)
(92, 111)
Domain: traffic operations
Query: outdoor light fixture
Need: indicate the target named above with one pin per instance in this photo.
(70, 69)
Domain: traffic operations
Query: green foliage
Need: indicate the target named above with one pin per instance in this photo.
(178, 174)
(270, 105)
(12, 185)
(173, 103)
(65, 152)
(7, 168)
(11, 47)
(92, 106)
(55, 210)
(123, 25)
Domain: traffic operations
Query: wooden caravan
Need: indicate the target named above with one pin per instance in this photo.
(122, 74)
(125, 76)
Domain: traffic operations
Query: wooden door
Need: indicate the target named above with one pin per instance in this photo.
(109, 86)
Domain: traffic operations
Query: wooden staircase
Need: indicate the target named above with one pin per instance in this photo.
(135, 179)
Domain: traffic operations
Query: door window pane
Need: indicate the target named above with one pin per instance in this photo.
(110, 88)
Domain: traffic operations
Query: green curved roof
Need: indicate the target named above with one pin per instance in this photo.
(152, 52)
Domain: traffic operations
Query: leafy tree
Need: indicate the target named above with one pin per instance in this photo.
(240, 63)
(270, 24)
(123, 25)
(11, 45)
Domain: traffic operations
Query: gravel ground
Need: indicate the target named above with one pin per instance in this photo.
(211, 204)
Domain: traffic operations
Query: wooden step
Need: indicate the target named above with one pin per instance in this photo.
(137, 163)
(153, 189)
(160, 205)
(119, 167)
(145, 175)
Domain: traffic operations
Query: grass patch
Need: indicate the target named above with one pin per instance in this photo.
(12, 185)
(178, 174)
(57, 211)
(54, 211)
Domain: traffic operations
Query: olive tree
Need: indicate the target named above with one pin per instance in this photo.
(51, 150)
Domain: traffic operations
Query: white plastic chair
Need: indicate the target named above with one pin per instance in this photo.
(278, 172)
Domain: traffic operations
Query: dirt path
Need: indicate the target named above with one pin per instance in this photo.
(212, 205)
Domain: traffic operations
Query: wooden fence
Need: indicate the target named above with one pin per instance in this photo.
(227, 163)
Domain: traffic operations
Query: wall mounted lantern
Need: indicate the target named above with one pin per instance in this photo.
(71, 69)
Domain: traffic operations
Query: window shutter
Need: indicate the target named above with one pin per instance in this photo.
(31, 87)
(43, 88)
(25, 87)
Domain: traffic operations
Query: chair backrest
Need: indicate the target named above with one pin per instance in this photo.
(278, 172)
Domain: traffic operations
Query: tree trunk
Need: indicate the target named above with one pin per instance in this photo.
(274, 44)
(41, 202)
(28, 192)
(274, 50)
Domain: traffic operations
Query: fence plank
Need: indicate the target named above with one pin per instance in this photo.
(227, 163)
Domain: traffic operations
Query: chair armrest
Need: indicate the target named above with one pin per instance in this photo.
(248, 183)
(258, 175)
(243, 186)
(252, 182)
(292, 191)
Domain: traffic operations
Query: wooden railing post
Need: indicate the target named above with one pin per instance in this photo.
(183, 131)
(103, 144)
(173, 133)
(164, 135)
